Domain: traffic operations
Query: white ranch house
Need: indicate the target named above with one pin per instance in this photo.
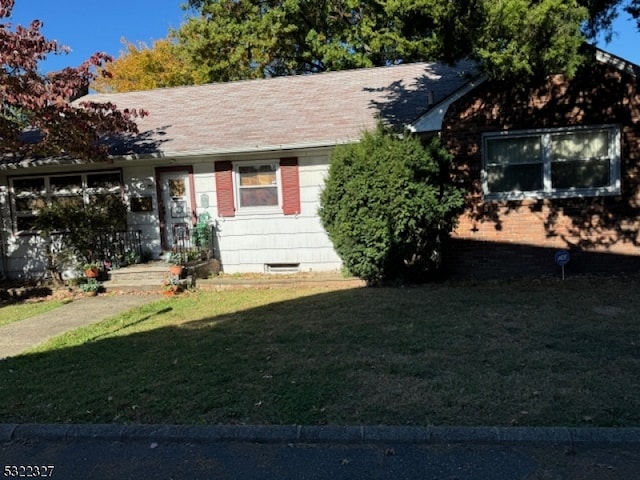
(252, 154)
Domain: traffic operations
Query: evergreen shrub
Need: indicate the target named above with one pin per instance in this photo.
(388, 205)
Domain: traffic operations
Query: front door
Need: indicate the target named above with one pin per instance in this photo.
(176, 204)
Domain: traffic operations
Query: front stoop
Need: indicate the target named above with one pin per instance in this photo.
(144, 276)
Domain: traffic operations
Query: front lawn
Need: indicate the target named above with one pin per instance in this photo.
(537, 352)
(14, 312)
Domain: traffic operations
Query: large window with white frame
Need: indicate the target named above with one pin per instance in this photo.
(32, 193)
(257, 185)
(550, 163)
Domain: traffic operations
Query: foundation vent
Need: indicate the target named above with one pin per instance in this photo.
(281, 267)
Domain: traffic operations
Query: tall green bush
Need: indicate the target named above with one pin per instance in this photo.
(387, 206)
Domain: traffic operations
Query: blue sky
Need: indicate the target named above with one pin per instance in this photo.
(89, 26)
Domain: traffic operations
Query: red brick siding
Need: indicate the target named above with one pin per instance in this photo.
(224, 188)
(514, 237)
(290, 186)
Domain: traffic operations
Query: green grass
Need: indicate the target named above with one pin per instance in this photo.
(19, 311)
(542, 352)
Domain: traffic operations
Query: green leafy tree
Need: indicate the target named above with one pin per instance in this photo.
(388, 204)
(633, 8)
(521, 38)
(236, 39)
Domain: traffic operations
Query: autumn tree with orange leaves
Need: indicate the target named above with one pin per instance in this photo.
(141, 67)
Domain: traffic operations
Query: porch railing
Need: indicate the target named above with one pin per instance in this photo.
(198, 243)
(119, 247)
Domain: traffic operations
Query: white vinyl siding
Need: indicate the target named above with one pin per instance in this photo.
(258, 237)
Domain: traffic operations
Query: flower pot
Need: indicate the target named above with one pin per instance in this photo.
(92, 272)
(175, 270)
(91, 294)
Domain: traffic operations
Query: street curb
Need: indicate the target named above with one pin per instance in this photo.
(323, 434)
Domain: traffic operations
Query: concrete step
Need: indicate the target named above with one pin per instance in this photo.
(151, 274)
(146, 273)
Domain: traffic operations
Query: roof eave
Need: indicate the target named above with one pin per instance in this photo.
(217, 152)
(431, 121)
(617, 62)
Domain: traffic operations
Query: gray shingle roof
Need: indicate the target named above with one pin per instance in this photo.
(283, 112)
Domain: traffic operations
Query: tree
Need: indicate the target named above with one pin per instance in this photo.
(388, 204)
(235, 39)
(37, 117)
(633, 8)
(602, 13)
(255, 38)
(140, 67)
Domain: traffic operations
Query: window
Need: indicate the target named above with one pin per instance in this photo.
(552, 163)
(31, 194)
(257, 185)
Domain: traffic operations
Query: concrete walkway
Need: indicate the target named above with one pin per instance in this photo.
(17, 337)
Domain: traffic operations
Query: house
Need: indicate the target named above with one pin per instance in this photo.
(550, 167)
(252, 155)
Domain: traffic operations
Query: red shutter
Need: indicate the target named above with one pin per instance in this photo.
(224, 189)
(290, 186)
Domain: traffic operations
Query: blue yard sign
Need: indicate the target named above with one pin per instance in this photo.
(561, 258)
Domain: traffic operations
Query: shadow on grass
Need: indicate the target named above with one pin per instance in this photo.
(16, 294)
(128, 325)
(474, 355)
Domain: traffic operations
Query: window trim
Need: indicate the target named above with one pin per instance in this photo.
(545, 134)
(47, 194)
(266, 209)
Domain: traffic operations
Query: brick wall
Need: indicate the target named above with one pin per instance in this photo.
(509, 238)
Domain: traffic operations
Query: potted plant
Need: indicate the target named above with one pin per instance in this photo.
(91, 287)
(91, 269)
(175, 269)
(176, 264)
(202, 236)
(171, 286)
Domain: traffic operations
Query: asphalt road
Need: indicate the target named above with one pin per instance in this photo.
(175, 460)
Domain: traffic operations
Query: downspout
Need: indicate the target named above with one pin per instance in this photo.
(3, 243)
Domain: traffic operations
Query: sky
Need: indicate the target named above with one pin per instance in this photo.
(89, 26)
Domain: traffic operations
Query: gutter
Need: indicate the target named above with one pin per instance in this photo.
(236, 150)
(3, 243)
(48, 162)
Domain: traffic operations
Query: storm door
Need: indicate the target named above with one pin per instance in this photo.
(176, 207)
